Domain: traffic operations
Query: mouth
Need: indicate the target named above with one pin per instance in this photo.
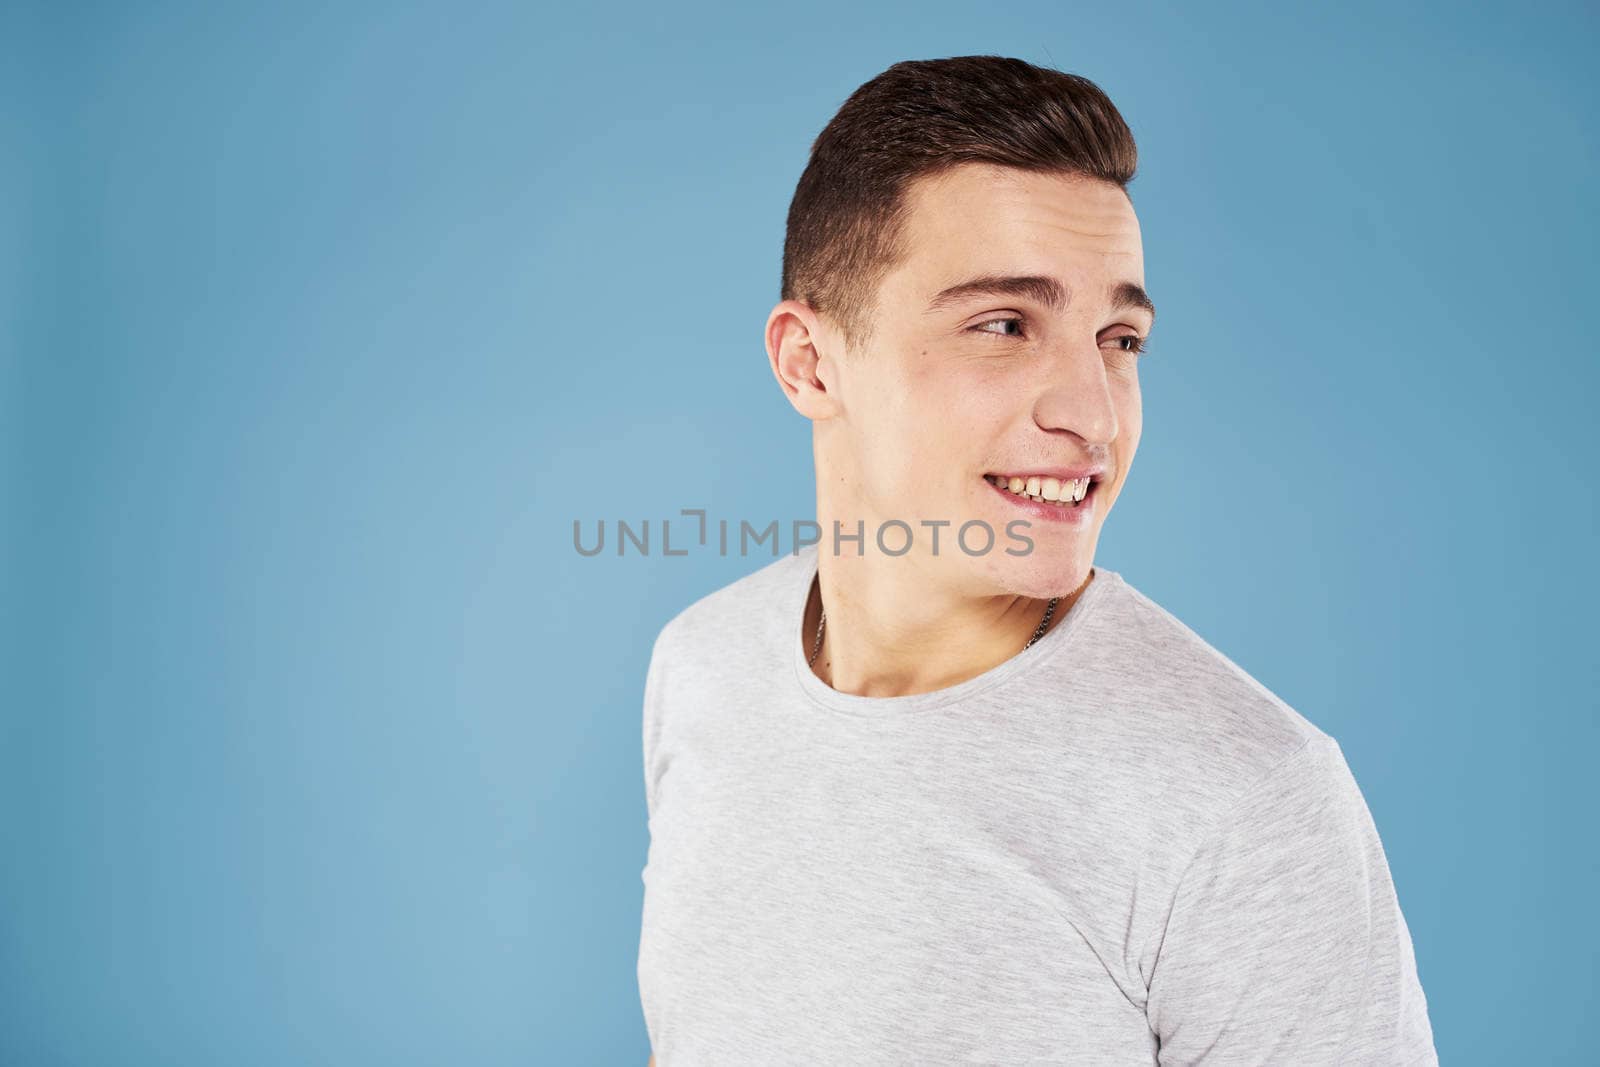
(1061, 494)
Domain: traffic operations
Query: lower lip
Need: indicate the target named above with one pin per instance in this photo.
(1071, 516)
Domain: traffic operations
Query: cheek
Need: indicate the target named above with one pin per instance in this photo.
(943, 403)
(905, 435)
(1129, 403)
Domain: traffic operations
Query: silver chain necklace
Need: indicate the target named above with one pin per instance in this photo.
(1044, 624)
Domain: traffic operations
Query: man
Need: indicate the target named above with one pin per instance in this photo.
(916, 799)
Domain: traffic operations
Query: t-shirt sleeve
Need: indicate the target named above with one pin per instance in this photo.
(652, 722)
(1285, 942)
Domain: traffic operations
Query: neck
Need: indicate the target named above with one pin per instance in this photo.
(894, 630)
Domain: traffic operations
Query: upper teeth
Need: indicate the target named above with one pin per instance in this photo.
(1042, 488)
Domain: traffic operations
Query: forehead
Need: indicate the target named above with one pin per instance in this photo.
(988, 217)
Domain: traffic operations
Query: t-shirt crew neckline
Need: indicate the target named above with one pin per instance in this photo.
(1060, 633)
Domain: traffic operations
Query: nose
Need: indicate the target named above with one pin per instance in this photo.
(1075, 396)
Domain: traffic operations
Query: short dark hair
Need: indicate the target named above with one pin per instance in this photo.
(917, 119)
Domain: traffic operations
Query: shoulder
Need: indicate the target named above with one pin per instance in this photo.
(752, 606)
(1199, 728)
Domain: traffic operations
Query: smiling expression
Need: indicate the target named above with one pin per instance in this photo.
(1003, 361)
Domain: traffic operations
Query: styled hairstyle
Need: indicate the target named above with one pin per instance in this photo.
(917, 119)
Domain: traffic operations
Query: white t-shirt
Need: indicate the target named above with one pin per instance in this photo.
(1115, 847)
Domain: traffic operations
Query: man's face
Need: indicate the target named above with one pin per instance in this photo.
(957, 390)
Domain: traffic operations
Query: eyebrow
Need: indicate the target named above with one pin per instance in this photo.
(1040, 288)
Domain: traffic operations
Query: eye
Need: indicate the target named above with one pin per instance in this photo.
(1131, 343)
(995, 333)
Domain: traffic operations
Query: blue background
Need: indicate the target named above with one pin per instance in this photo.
(320, 742)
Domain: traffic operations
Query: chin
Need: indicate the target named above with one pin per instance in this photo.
(1048, 571)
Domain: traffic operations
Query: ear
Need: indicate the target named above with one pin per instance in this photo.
(799, 348)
